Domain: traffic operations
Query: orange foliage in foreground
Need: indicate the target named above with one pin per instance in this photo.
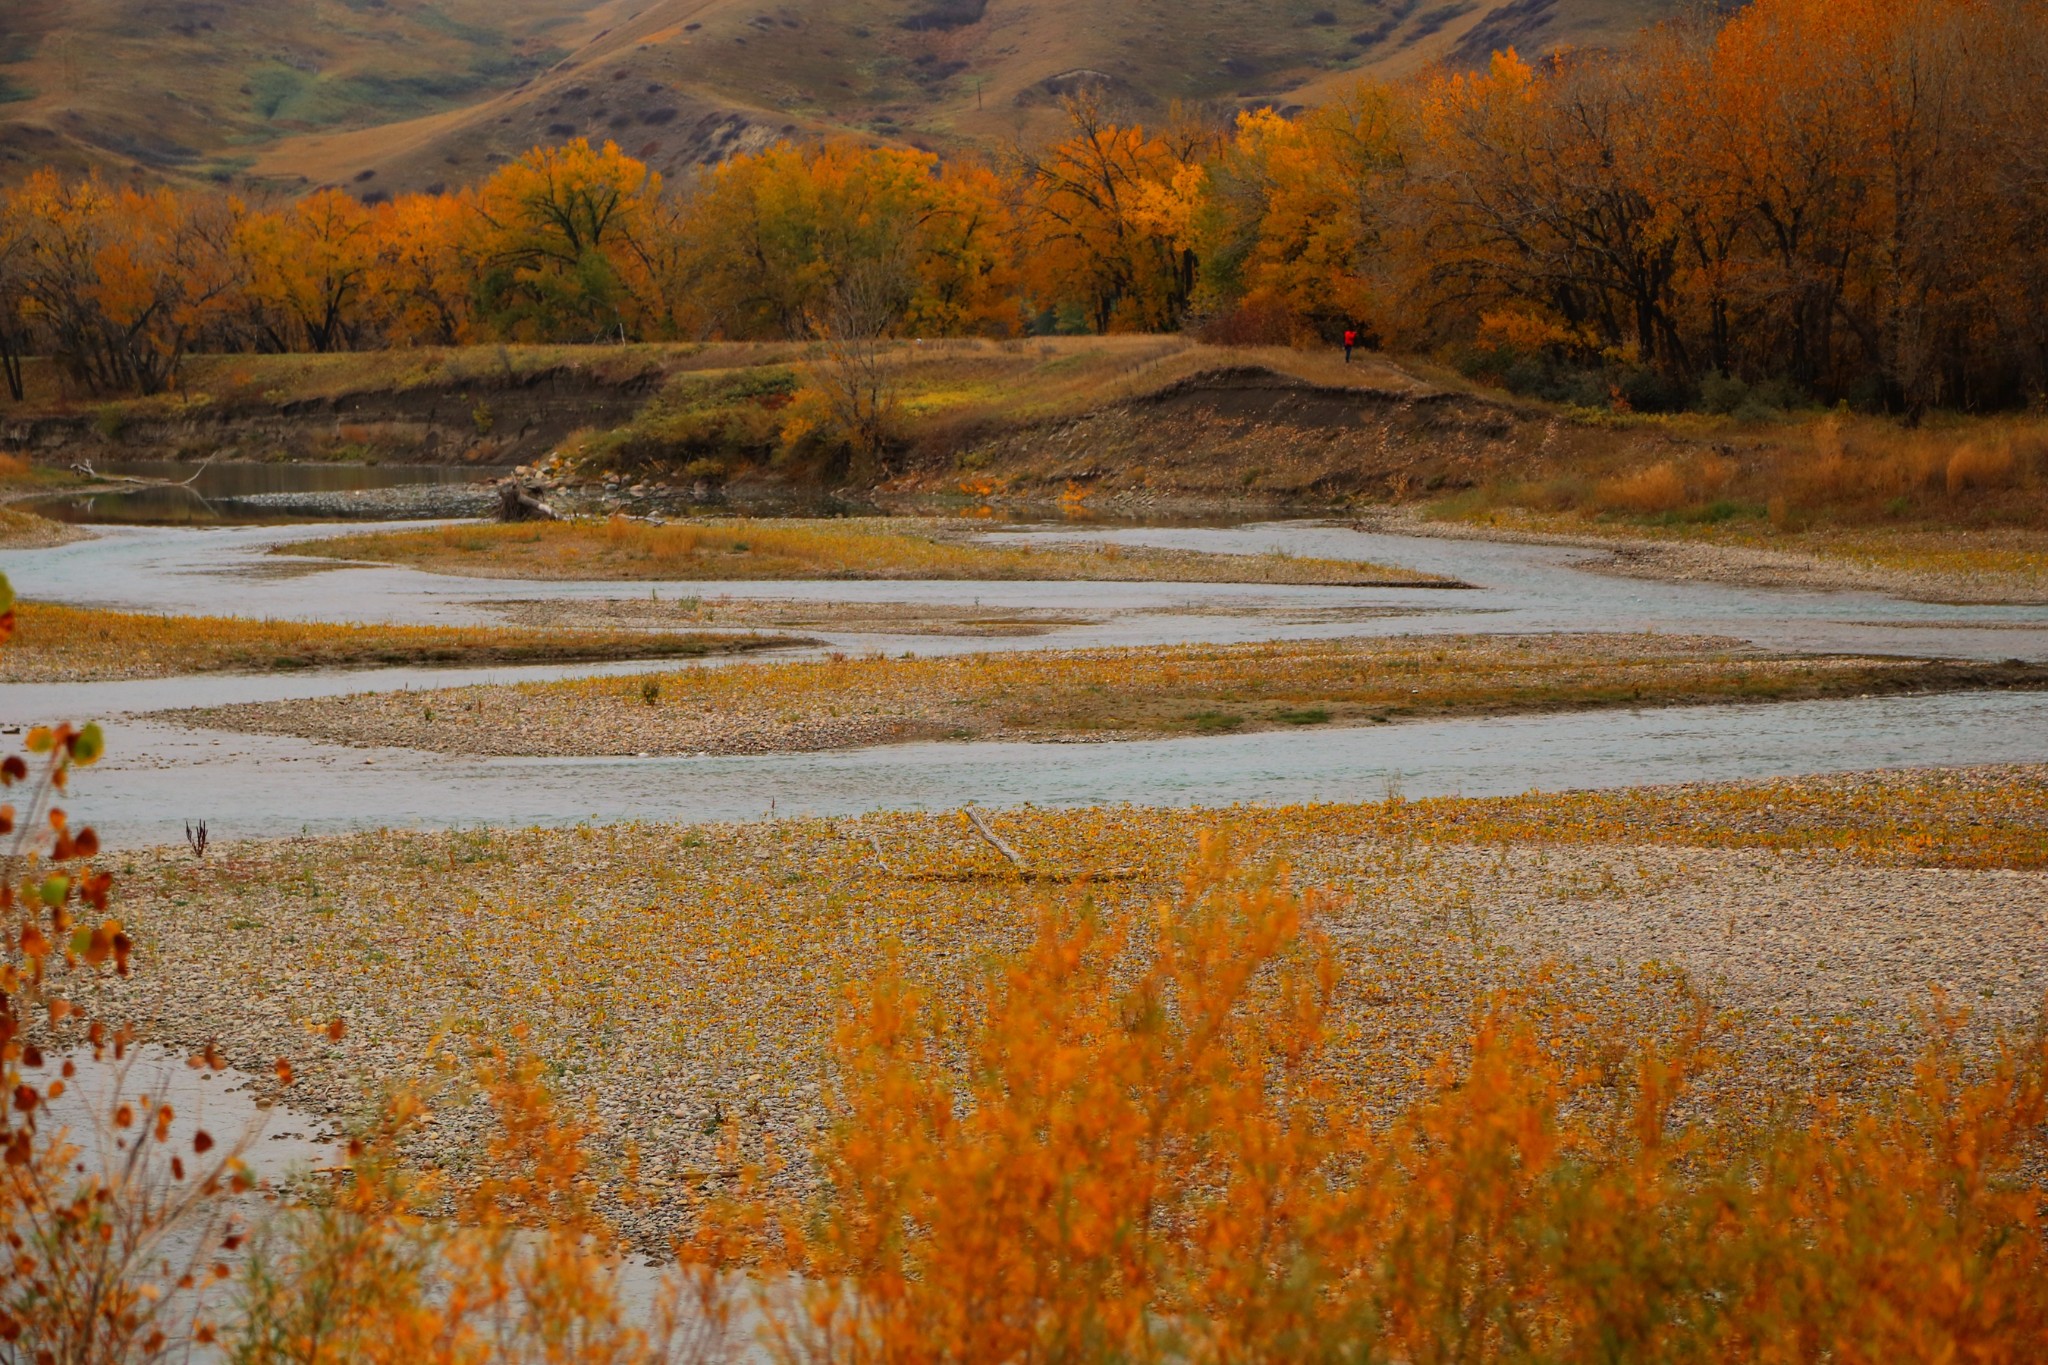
(1131, 1148)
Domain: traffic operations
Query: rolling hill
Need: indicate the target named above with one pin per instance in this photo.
(390, 95)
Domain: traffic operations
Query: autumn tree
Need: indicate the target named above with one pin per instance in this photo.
(310, 268)
(780, 236)
(1539, 191)
(122, 281)
(1296, 216)
(556, 229)
(422, 281)
(964, 256)
(1107, 219)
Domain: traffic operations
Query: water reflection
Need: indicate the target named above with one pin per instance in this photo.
(229, 493)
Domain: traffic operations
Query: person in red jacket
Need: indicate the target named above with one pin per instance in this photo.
(1350, 340)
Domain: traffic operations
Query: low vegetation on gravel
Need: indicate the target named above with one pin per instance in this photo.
(844, 702)
(773, 613)
(21, 530)
(81, 644)
(684, 982)
(862, 548)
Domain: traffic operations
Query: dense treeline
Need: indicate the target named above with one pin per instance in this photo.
(1825, 199)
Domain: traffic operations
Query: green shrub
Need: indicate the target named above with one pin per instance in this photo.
(1652, 391)
(1722, 393)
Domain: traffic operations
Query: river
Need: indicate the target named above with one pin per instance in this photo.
(158, 776)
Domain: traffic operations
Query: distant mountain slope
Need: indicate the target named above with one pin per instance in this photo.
(384, 95)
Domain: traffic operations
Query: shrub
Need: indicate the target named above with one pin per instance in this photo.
(1652, 391)
(1722, 393)
(1131, 1145)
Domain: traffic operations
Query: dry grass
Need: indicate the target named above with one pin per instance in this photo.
(869, 548)
(75, 644)
(1835, 469)
(1088, 694)
(786, 614)
(1957, 504)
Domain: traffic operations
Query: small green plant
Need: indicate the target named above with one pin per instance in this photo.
(482, 417)
(650, 691)
(1313, 715)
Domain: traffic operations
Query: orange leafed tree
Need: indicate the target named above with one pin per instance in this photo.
(1107, 220)
(310, 270)
(120, 282)
(421, 281)
(562, 231)
(774, 235)
(1296, 227)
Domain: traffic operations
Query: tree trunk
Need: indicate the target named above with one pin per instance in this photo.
(517, 504)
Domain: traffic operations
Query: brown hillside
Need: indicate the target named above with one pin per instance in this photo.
(391, 95)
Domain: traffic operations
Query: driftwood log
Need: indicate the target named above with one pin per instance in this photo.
(516, 503)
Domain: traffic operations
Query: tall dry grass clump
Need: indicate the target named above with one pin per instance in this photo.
(1834, 472)
(1979, 467)
(1877, 463)
(1659, 488)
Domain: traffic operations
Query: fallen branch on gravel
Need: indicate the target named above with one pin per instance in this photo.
(997, 842)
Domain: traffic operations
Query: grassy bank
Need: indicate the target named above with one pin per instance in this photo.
(872, 548)
(1953, 510)
(75, 644)
(21, 530)
(1088, 694)
(1028, 377)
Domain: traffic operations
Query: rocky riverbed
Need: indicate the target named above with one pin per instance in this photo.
(678, 978)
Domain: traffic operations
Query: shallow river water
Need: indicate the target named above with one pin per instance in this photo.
(158, 776)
